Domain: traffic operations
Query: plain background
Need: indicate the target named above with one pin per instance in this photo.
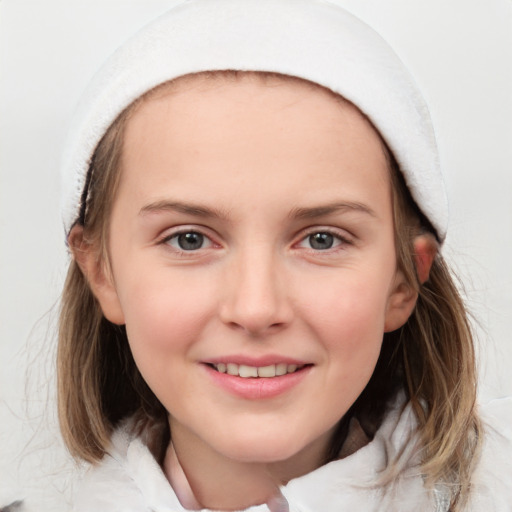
(460, 52)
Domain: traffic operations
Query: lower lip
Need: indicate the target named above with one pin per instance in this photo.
(257, 388)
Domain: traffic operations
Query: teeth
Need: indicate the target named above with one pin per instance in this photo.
(242, 370)
(247, 371)
(281, 369)
(267, 371)
(232, 369)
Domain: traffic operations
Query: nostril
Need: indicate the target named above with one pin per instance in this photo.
(256, 330)
(254, 298)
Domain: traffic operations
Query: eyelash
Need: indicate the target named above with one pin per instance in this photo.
(166, 240)
(342, 241)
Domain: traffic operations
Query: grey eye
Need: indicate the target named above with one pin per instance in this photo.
(190, 241)
(321, 241)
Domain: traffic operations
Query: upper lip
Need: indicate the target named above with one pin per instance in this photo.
(259, 361)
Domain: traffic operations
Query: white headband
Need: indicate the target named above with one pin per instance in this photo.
(310, 39)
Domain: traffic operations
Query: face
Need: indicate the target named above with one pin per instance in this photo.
(252, 260)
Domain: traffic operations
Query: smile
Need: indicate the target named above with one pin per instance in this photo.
(257, 381)
(245, 371)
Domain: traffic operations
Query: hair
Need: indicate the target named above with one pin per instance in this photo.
(431, 358)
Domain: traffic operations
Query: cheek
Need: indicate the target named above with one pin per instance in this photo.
(348, 316)
(164, 317)
(350, 306)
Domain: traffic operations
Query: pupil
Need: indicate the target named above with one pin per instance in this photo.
(190, 241)
(321, 241)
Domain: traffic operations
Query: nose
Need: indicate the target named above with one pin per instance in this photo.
(255, 299)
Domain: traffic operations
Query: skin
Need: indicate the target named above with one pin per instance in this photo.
(256, 168)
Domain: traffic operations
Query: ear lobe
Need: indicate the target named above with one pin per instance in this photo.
(97, 274)
(400, 305)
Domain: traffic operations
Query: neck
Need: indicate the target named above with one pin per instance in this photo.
(222, 483)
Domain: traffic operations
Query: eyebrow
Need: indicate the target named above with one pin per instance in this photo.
(297, 213)
(186, 208)
(321, 211)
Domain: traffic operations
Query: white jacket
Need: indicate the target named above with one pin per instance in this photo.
(130, 480)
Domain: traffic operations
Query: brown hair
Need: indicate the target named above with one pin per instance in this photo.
(431, 358)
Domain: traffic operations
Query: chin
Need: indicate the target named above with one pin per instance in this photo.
(262, 447)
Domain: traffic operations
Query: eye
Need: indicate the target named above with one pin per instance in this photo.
(188, 241)
(322, 241)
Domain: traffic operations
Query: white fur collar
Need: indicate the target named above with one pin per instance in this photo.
(129, 479)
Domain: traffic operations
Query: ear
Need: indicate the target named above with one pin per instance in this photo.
(425, 251)
(97, 273)
(400, 304)
(403, 298)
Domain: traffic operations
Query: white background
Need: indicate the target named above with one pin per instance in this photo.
(460, 52)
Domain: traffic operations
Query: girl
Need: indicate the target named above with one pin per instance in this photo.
(257, 315)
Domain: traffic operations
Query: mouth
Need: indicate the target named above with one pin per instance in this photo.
(262, 372)
(257, 379)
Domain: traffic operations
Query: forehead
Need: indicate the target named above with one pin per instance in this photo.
(198, 94)
(251, 127)
(204, 81)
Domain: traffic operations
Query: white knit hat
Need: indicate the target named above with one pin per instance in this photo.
(311, 39)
